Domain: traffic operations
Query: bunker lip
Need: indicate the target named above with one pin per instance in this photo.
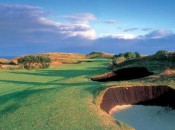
(124, 74)
(141, 95)
(119, 108)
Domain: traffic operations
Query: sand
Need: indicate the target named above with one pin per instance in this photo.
(119, 108)
(145, 117)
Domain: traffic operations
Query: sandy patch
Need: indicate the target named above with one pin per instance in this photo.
(146, 117)
(168, 72)
(119, 108)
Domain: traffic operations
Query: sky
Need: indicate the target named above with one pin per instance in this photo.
(83, 26)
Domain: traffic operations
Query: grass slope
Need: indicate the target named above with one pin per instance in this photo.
(58, 58)
(164, 72)
(57, 98)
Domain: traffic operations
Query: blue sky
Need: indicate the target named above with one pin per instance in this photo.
(82, 26)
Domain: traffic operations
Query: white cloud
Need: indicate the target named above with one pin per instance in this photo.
(30, 23)
(80, 18)
(122, 36)
(80, 30)
(48, 22)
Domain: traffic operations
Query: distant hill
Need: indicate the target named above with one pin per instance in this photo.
(4, 61)
(94, 55)
(69, 58)
(59, 58)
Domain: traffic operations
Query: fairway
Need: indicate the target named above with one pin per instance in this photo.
(55, 98)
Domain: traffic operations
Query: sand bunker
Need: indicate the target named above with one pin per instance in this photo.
(119, 108)
(142, 95)
(145, 117)
(142, 107)
(124, 74)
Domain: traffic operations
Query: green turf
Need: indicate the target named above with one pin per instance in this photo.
(157, 66)
(53, 99)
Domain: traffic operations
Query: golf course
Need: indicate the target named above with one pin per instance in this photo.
(64, 97)
(87, 65)
(55, 98)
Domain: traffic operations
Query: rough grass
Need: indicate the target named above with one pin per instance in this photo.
(4, 61)
(101, 55)
(57, 98)
(163, 70)
(119, 60)
(59, 58)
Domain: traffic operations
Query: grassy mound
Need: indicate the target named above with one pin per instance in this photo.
(154, 63)
(59, 58)
(163, 68)
(8, 64)
(93, 55)
(4, 61)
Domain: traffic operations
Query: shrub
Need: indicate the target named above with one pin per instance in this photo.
(121, 54)
(95, 53)
(137, 55)
(12, 63)
(118, 60)
(125, 56)
(32, 62)
(161, 55)
(99, 55)
(131, 55)
(115, 56)
(161, 52)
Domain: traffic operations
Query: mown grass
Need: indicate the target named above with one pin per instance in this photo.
(59, 98)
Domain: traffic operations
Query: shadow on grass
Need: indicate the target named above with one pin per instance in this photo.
(13, 101)
(66, 73)
(23, 82)
(39, 84)
(18, 99)
(93, 87)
